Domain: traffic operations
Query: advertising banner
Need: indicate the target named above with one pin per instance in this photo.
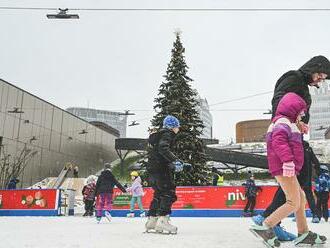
(34, 202)
(202, 201)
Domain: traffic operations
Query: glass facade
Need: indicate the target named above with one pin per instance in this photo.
(52, 135)
(320, 111)
(113, 119)
(206, 116)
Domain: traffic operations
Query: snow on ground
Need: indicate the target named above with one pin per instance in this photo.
(80, 232)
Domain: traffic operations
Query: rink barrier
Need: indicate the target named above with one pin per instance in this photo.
(30, 202)
(202, 201)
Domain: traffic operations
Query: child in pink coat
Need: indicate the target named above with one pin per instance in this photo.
(285, 159)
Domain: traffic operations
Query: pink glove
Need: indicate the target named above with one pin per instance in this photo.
(288, 169)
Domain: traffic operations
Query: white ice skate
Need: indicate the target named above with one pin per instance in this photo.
(108, 216)
(143, 214)
(130, 215)
(151, 224)
(163, 226)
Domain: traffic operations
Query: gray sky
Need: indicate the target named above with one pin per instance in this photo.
(115, 60)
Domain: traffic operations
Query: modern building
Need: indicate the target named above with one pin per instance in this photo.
(113, 119)
(251, 131)
(38, 138)
(320, 111)
(206, 116)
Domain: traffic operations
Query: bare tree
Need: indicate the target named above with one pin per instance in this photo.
(13, 168)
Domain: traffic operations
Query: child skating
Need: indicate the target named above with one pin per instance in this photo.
(104, 190)
(285, 160)
(88, 193)
(137, 193)
(161, 166)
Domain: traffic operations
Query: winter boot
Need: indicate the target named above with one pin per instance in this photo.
(283, 235)
(258, 219)
(163, 225)
(151, 223)
(315, 219)
(108, 215)
(310, 238)
(267, 234)
(130, 215)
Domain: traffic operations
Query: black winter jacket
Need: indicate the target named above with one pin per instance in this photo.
(298, 81)
(310, 161)
(160, 153)
(106, 182)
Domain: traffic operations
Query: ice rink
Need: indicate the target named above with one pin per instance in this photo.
(74, 232)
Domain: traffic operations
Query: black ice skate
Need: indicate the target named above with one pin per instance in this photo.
(266, 234)
(309, 239)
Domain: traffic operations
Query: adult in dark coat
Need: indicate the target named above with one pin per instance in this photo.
(12, 183)
(103, 192)
(161, 166)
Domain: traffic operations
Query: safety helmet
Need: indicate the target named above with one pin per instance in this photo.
(324, 168)
(134, 174)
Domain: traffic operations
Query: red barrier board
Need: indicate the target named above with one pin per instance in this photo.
(224, 197)
(29, 199)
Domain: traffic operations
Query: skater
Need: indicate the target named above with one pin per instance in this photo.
(218, 178)
(12, 183)
(88, 193)
(104, 190)
(251, 190)
(137, 193)
(161, 165)
(285, 160)
(305, 181)
(322, 189)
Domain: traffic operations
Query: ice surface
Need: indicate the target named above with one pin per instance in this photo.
(80, 232)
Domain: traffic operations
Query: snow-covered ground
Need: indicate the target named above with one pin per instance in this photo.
(79, 232)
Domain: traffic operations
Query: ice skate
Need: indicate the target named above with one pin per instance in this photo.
(283, 235)
(98, 220)
(130, 215)
(315, 219)
(143, 214)
(108, 216)
(258, 219)
(310, 239)
(151, 224)
(163, 226)
(266, 234)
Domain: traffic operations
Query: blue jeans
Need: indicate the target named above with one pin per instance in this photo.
(137, 199)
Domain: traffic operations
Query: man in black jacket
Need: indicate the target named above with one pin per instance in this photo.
(103, 192)
(161, 166)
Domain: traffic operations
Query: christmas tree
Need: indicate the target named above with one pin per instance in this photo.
(177, 98)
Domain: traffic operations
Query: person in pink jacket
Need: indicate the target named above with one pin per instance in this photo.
(285, 159)
(137, 192)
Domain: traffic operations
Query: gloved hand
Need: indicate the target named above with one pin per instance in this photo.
(187, 167)
(288, 169)
(177, 166)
